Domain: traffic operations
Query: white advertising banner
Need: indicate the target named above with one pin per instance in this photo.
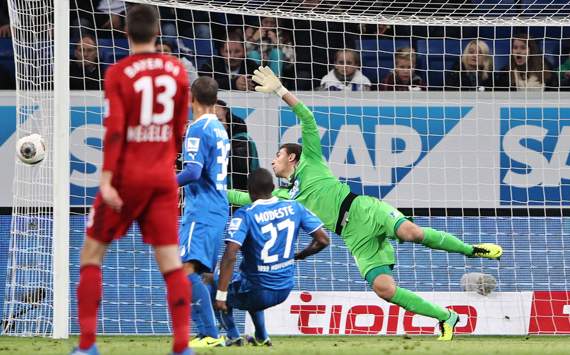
(364, 313)
(417, 149)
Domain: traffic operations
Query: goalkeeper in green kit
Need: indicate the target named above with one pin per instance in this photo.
(364, 223)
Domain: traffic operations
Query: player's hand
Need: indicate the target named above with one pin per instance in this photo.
(5, 31)
(268, 82)
(241, 83)
(221, 306)
(111, 197)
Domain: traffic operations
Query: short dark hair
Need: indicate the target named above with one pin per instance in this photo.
(142, 23)
(293, 148)
(205, 91)
(260, 183)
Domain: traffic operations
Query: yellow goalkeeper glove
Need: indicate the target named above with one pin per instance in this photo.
(268, 82)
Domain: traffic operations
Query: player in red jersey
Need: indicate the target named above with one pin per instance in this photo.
(146, 100)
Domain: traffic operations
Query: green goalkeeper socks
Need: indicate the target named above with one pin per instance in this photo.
(414, 303)
(444, 241)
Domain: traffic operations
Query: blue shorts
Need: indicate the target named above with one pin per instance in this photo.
(200, 242)
(253, 299)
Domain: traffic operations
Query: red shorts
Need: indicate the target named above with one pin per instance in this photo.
(155, 209)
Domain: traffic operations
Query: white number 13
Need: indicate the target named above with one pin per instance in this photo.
(165, 98)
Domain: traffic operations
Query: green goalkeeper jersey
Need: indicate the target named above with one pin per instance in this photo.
(313, 183)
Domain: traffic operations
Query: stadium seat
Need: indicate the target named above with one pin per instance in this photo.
(501, 49)
(495, 32)
(552, 51)
(7, 56)
(111, 50)
(435, 56)
(378, 56)
(202, 49)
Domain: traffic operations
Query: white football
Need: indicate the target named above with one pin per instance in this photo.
(31, 149)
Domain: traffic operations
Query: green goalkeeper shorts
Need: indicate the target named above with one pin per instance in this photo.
(371, 223)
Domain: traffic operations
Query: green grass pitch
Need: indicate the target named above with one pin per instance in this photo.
(305, 345)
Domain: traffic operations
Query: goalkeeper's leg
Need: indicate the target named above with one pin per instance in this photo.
(434, 239)
(383, 284)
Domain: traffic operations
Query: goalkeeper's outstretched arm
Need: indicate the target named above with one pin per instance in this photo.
(269, 83)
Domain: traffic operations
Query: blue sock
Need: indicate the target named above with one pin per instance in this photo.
(227, 321)
(195, 311)
(202, 303)
(258, 319)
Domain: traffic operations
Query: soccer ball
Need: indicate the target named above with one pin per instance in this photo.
(31, 149)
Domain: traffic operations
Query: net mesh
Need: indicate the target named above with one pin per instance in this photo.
(481, 153)
(28, 304)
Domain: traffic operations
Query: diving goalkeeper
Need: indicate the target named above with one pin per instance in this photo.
(364, 223)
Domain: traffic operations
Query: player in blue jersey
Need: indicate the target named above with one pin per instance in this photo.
(266, 232)
(205, 161)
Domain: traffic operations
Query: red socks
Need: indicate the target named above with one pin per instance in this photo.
(88, 300)
(178, 295)
(89, 297)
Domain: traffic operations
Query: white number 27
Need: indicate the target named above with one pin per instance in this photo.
(270, 229)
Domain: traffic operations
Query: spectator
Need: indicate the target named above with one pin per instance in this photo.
(527, 70)
(5, 30)
(167, 47)
(346, 76)
(271, 46)
(474, 71)
(243, 157)
(84, 69)
(403, 77)
(231, 69)
(106, 17)
(377, 31)
(565, 73)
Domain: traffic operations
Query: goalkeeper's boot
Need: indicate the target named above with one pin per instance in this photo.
(255, 342)
(207, 342)
(91, 351)
(448, 326)
(239, 341)
(186, 351)
(487, 250)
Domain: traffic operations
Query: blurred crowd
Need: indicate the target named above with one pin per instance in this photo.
(318, 55)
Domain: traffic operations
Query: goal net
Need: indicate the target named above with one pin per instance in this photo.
(453, 111)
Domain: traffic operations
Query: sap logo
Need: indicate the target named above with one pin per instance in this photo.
(535, 156)
(86, 149)
(348, 318)
(374, 148)
(9, 120)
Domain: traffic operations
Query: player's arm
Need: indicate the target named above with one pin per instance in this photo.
(313, 226)
(193, 152)
(237, 232)
(269, 83)
(113, 141)
(320, 241)
(181, 114)
(240, 198)
(226, 270)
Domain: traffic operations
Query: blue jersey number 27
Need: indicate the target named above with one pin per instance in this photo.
(273, 230)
